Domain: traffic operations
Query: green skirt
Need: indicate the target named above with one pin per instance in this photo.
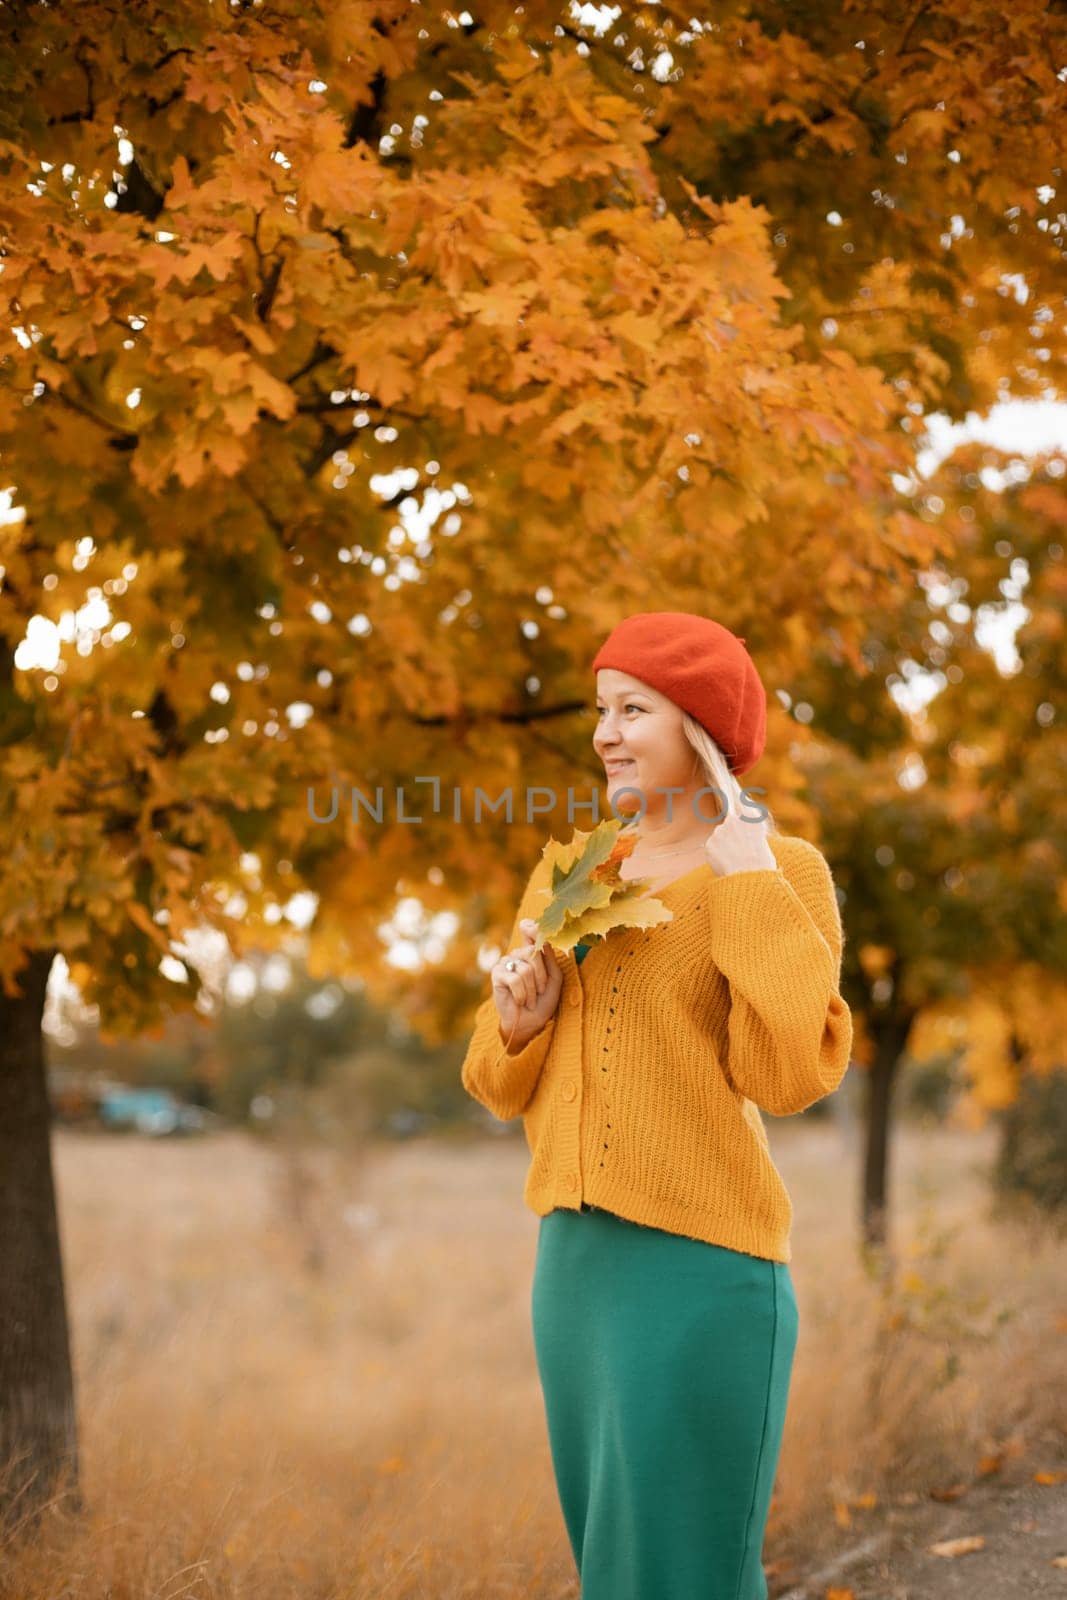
(665, 1365)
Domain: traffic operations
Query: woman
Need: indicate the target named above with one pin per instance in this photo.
(664, 1317)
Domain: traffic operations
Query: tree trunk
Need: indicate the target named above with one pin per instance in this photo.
(890, 1035)
(38, 1431)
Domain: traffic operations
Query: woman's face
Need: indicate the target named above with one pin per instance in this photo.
(640, 740)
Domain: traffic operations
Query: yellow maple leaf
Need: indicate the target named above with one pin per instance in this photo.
(588, 896)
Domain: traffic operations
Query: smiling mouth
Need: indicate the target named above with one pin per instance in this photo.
(616, 766)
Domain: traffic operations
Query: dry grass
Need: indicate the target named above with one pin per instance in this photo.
(312, 1374)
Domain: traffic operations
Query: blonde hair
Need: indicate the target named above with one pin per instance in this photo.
(711, 761)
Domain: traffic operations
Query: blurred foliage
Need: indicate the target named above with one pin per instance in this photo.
(321, 1054)
(1032, 1160)
(618, 331)
(928, 1088)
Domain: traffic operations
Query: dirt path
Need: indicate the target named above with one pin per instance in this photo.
(1023, 1524)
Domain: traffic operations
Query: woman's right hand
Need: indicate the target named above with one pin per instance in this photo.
(528, 997)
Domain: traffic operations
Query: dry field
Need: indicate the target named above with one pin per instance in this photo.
(311, 1373)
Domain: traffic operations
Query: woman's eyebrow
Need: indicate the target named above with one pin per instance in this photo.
(627, 694)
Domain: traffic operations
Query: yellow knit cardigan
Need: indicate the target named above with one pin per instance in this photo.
(640, 1095)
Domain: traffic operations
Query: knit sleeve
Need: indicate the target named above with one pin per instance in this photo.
(505, 1083)
(776, 935)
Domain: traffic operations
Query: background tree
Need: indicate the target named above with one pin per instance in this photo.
(362, 365)
(946, 823)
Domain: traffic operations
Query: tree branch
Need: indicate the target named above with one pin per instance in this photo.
(529, 714)
(120, 438)
(322, 352)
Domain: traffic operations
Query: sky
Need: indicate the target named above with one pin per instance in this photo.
(1022, 428)
(1025, 427)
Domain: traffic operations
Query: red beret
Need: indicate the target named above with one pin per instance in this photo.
(702, 667)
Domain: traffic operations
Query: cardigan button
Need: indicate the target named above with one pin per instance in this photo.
(576, 997)
(571, 1180)
(568, 1090)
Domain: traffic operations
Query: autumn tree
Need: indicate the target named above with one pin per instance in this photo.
(362, 364)
(945, 815)
(994, 742)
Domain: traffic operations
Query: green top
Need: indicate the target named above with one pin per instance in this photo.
(581, 950)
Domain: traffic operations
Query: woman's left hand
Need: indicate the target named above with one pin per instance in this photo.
(735, 845)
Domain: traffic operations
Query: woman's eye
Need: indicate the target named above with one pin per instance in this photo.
(630, 707)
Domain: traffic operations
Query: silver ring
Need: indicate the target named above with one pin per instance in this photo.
(511, 966)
